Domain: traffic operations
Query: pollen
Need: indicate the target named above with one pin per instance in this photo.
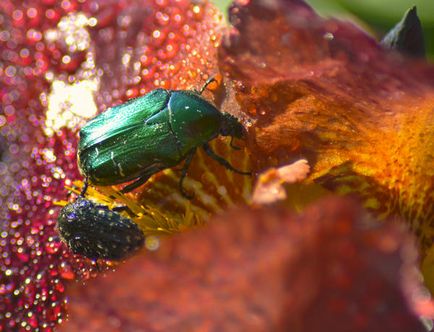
(159, 208)
(69, 105)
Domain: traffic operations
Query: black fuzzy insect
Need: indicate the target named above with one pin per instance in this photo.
(95, 231)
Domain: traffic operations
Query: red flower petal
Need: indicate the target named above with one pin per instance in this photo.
(332, 269)
(48, 50)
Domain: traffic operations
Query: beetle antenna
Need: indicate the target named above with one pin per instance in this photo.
(208, 82)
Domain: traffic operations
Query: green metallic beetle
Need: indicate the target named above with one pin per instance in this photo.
(145, 135)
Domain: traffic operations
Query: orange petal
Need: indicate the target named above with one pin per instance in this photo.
(324, 90)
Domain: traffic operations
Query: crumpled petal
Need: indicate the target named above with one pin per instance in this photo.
(270, 185)
(324, 90)
(331, 269)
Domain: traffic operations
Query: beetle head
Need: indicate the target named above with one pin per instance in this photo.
(231, 126)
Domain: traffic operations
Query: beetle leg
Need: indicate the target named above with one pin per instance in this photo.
(98, 269)
(222, 161)
(84, 189)
(120, 208)
(136, 184)
(232, 144)
(184, 174)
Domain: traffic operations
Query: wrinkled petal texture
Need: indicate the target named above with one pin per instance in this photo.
(325, 91)
(315, 96)
(331, 269)
(61, 62)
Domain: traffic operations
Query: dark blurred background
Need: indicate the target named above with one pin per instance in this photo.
(375, 16)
